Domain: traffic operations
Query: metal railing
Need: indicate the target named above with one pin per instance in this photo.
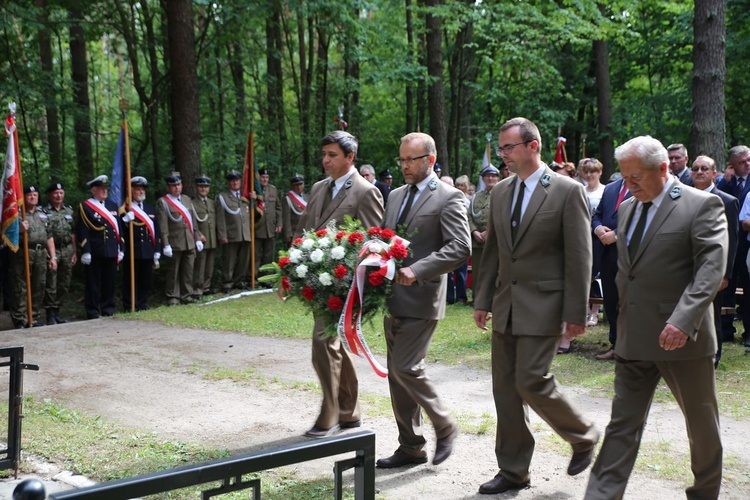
(230, 471)
(11, 456)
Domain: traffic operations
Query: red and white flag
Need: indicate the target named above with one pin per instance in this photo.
(12, 198)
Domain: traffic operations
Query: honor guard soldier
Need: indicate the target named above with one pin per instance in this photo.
(62, 228)
(180, 239)
(205, 221)
(146, 246)
(233, 231)
(479, 210)
(293, 205)
(99, 240)
(41, 246)
(269, 225)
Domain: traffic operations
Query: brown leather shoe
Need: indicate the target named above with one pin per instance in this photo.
(399, 459)
(319, 433)
(350, 425)
(580, 461)
(444, 447)
(606, 356)
(499, 484)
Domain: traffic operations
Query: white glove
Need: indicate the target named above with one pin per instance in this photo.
(168, 251)
(129, 216)
(199, 245)
(86, 259)
(157, 256)
(120, 256)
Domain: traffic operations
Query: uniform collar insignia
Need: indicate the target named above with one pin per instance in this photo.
(546, 180)
(432, 185)
(349, 183)
(675, 192)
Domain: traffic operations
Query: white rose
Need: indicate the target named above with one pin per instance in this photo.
(308, 243)
(324, 243)
(338, 252)
(295, 256)
(375, 247)
(317, 255)
(325, 279)
(301, 271)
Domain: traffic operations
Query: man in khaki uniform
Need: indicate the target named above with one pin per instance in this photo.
(293, 205)
(269, 225)
(62, 229)
(41, 245)
(233, 232)
(479, 210)
(205, 221)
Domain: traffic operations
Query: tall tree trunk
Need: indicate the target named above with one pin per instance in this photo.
(152, 111)
(240, 106)
(410, 59)
(183, 77)
(435, 97)
(321, 77)
(604, 109)
(275, 83)
(82, 111)
(48, 90)
(305, 78)
(707, 135)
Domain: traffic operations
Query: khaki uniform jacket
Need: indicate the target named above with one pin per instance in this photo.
(266, 226)
(291, 214)
(674, 277)
(479, 211)
(174, 230)
(357, 198)
(544, 277)
(205, 221)
(232, 220)
(438, 231)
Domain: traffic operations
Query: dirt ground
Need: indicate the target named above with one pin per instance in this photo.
(148, 376)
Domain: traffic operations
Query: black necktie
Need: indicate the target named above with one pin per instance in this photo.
(515, 218)
(635, 239)
(740, 184)
(329, 194)
(413, 190)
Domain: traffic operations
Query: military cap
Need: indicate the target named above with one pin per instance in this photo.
(437, 168)
(98, 181)
(385, 174)
(232, 175)
(263, 171)
(203, 180)
(297, 179)
(489, 170)
(138, 181)
(30, 189)
(54, 187)
(173, 179)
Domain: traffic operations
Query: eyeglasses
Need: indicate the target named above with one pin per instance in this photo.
(702, 168)
(410, 161)
(508, 148)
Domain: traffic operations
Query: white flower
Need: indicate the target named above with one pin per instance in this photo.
(375, 247)
(325, 279)
(317, 255)
(301, 271)
(338, 252)
(295, 256)
(308, 243)
(324, 243)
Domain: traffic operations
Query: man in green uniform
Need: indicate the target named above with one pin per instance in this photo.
(479, 210)
(41, 245)
(205, 221)
(269, 225)
(293, 205)
(233, 232)
(62, 229)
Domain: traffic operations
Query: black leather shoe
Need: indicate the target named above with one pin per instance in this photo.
(319, 433)
(399, 459)
(444, 447)
(499, 484)
(350, 425)
(580, 461)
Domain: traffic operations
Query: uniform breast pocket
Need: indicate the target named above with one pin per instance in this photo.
(545, 215)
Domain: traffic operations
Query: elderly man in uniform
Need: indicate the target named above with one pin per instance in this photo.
(233, 232)
(270, 224)
(293, 206)
(99, 240)
(479, 210)
(146, 246)
(205, 221)
(344, 192)
(672, 252)
(62, 228)
(41, 246)
(180, 241)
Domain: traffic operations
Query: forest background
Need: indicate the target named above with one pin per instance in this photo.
(199, 75)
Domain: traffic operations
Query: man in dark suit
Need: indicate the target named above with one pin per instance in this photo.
(384, 184)
(704, 173)
(678, 163)
(344, 192)
(535, 277)
(672, 253)
(604, 225)
(98, 237)
(435, 214)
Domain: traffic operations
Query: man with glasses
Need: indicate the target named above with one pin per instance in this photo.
(534, 283)
(343, 192)
(678, 160)
(704, 173)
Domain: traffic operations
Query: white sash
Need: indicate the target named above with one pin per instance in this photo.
(230, 211)
(143, 217)
(296, 202)
(182, 210)
(97, 207)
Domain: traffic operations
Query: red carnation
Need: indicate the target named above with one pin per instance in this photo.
(340, 271)
(308, 292)
(387, 234)
(297, 242)
(285, 284)
(321, 232)
(356, 238)
(335, 304)
(376, 278)
(374, 231)
(399, 251)
(340, 235)
(283, 262)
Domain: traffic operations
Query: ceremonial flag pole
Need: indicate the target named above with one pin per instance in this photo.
(119, 191)
(248, 179)
(129, 201)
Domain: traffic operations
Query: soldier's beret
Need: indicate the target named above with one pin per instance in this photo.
(297, 179)
(138, 181)
(99, 181)
(232, 175)
(30, 189)
(54, 187)
(203, 180)
(489, 170)
(173, 179)
(263, 171)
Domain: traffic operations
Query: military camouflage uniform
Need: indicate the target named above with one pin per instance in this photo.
(38, 234)
(479, 210)
(61, 228)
